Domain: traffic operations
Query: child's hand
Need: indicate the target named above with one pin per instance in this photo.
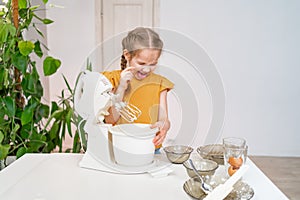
(163, 126)
(126, 76)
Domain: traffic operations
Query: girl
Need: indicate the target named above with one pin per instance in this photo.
(136, 83)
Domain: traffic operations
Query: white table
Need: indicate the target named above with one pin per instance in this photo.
(58, 176)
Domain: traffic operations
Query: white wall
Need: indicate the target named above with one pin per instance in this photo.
(31, 34)
(253, 44)
(70, 38)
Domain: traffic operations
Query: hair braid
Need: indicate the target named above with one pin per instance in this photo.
(123, 62)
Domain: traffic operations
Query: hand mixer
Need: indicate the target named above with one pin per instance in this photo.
(92, 99)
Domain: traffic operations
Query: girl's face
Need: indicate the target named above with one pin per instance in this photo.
(143, 62)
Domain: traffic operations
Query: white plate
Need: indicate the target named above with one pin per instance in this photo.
(90, 162)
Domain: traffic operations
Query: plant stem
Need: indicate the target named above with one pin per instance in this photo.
(16, 147)
(20, 101)
(15, 8)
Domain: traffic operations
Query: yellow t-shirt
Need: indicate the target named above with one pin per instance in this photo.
(143, 94)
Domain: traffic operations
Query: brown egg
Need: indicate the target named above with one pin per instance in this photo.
(235, 162)
(232, 170)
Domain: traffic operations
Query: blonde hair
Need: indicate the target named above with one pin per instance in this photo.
(140, 38)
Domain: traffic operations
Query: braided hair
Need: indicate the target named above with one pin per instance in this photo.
(140, 38)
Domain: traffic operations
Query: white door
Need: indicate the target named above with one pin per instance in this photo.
(114, 19)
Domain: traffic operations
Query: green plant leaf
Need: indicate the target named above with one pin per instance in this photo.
(22, 4)
(33, 103)
(34, 72)
(19, 112)
(23, 15)
(29, 84)
(16, 128)
(82, 134)
(37, 49)
(38, 31)
(25, 130)
(35, 145)
(54, 131)
(54, 107)
(50, 146)
(47, 21)
(1, 136)
(66, 82)
(4, 151)
(39, 89)
(7, 53)
(20, 62)
(45, 1)
(11, 29)
(10, 106)
(76, 143)
(2, 120)
(3, 78)
(57, 114)
(27, 115)
(34, 7)
(68, 121)
(51, 65)
(42, 111)
(89, 66)
(3, 32)
(26, 47)
(27, 16)
(62, 136)
(21, 151)
(68, 150)
(13, 133)
(36, 142)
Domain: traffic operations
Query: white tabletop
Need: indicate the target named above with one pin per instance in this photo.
(58, 176)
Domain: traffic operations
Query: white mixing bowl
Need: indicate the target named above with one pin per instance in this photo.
(132, 144)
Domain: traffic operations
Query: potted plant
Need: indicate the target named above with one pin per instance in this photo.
(26, 123)
(64, 120)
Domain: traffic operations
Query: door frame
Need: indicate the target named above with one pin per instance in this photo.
(99, 18)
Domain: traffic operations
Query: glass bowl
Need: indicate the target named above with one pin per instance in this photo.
(177, 154)
(213, 152)
(204, 167)
(241, 190)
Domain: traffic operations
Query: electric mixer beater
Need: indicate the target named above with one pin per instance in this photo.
(97, 85)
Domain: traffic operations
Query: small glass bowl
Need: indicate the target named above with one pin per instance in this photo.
(213, 152)
(204, 167)
(177, 154)
(241, 190)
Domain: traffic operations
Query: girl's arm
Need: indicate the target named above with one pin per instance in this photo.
(126, 76)
(163, 122)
